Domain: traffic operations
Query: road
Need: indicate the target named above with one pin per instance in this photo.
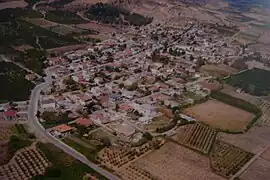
(41, 132)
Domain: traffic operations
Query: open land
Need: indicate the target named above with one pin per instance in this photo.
(217, 70)
(259, 169)
(220, 115)
(172, 162)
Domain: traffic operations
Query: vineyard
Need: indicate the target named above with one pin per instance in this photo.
(196, 136)
(226, 159)
(265, 117)
(25, 165)
(116, 157)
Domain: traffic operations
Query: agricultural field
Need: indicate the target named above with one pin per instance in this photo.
(254, 140)
(5, 132)
(173, 162)
(64, 17)
(24, 165)
(115, 157)
(220, 115)
(226, 159)
(97, 27)
(196, 136)
(66, 30)
(63, 166)
(217, 70)
(41, 22)
(135, 172)
(259, 169)
(251, 81)
(12, 78)
(12, 4)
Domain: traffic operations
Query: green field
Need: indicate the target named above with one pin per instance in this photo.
(253, 81)
(64, 167)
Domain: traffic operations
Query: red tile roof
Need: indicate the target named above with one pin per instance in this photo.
(63, 128)
(10, 113)
(84, 122)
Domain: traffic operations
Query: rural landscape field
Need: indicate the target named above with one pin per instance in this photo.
(134, 90)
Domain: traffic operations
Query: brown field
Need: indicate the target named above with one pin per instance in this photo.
(172, 162)
(157, 122)
(65, 30)
(102, 37)
(259, 169)
(63, 49)
(254, 141)
(101, 28)
(196, 136)
(42, 22)
(13, 4)
(5, 132)
(217, 70)
(220, 115)
(226, 159)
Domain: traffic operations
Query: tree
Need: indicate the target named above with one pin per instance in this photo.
(148, 136)
(106, 141)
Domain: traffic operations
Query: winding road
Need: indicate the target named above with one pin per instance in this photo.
(41, 132)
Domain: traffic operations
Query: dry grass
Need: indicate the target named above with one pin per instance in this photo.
(65, 30)
(220, 115)
(226, 159)
(13, 4)
(157, 122)
(5, 132)
(196, 136)
(101, 28)
(175, 162)
(217, 70)
(42, 22)
(254, 141)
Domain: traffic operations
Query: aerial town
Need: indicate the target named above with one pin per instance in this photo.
(143, 98)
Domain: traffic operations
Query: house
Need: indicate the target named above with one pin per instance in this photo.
(10, 115)
(84, 122)
(48, 104)
(62, 130)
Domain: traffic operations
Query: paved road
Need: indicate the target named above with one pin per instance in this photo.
(41, 132)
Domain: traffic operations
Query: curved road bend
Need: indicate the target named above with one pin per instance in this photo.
(39, 130)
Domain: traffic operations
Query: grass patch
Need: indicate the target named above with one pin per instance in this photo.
(65, 166)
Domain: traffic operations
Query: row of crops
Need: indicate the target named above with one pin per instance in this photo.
(227, 159)
(196, 136)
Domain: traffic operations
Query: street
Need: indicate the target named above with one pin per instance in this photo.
(41, 132)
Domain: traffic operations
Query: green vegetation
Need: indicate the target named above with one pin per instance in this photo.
(12, 78)
(10, 14)
(63, 166)
(32, 59)
(20, 139)
(64, 17)
(110, 14)
(252, 81)
(86, 151)
(60, 3)
(53, 118)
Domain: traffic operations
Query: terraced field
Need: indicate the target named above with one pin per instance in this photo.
(25, 165)
(196, 136)
(226, 159)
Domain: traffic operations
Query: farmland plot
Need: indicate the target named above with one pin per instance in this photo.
(220, 115)
(25, 165)
(196, 136)
(226, 159)
(175, 162)
(259, 169)
(135, 172)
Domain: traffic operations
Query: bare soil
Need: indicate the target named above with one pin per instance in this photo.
(220, 115)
